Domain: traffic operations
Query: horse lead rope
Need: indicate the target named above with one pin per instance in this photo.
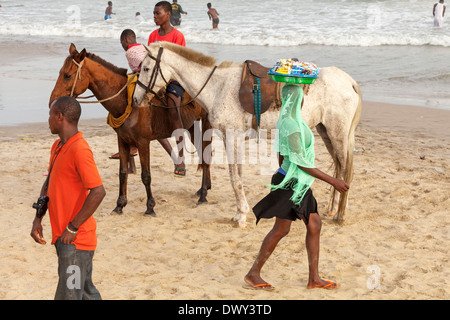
(112, 121)
(78, 76)
(117, 122)
(157, 69)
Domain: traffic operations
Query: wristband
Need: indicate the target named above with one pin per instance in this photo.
(72, 232)
(72, 226)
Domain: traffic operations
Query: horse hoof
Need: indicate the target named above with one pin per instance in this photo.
(201, 201)
(150, 214)
(118, 210)
(240, 220)
(338, 220)
(240, 224)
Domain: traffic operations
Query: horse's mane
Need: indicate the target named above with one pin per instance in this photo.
(106, 64)
(93, 57)
(194, 56)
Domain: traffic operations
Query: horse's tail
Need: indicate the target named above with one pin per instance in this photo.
(348, 177)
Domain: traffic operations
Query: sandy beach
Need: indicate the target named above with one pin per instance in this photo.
(392, 245)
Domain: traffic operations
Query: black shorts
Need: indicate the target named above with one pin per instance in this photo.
(278, 204)
(175, 21)
(175, 88)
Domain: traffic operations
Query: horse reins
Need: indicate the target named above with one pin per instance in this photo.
(147, 88)
(78, 76)
(157, 69)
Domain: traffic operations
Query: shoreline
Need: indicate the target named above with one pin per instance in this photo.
(29, 71)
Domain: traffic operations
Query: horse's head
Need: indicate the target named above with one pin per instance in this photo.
(71, 81)
(153, 74)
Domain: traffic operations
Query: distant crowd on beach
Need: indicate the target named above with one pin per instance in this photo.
(175, 19)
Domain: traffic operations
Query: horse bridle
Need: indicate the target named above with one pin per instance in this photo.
(157, 70)
(78, 76)
(148, 88)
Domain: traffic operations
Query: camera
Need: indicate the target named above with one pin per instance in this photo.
(41, 206)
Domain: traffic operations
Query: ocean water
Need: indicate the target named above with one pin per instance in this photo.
(390, 47)
(251, 22)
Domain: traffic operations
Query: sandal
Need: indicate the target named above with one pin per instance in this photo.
(179, 171)
(329, 286)
(262, 286)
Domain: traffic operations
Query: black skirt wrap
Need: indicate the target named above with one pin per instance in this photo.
(278, 204)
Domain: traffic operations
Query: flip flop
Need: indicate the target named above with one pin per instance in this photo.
(179, 171)
(262, 286)
(329, 286)
(116, 156)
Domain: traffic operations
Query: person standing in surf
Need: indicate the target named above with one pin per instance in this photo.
(108, 11)
(438, 13)
(177, 10)
(214, 15)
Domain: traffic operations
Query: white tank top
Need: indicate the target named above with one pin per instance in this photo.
(439, 10)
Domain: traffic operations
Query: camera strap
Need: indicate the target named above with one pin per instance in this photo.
(52, 163)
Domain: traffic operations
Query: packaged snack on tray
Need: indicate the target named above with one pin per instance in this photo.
(294, 71)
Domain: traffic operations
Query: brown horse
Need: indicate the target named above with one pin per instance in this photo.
(82, 71)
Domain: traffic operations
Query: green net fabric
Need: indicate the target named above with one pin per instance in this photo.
(295, 142)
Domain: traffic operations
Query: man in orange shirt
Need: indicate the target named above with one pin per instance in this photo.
(174, 91)
(74, 190)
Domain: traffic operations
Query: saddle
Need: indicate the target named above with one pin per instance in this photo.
(258, 91)
(185, 112)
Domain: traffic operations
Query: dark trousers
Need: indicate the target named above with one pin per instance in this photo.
(75, 274)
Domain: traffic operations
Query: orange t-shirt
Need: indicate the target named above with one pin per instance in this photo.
(174, 36)
(74, 172)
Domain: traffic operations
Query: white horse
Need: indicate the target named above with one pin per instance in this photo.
(332, 105)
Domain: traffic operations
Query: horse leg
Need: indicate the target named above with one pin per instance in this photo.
(340, 157)
(124, 155)
(144, 157)
(236, 183)
(205, 159)
(238, 188)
